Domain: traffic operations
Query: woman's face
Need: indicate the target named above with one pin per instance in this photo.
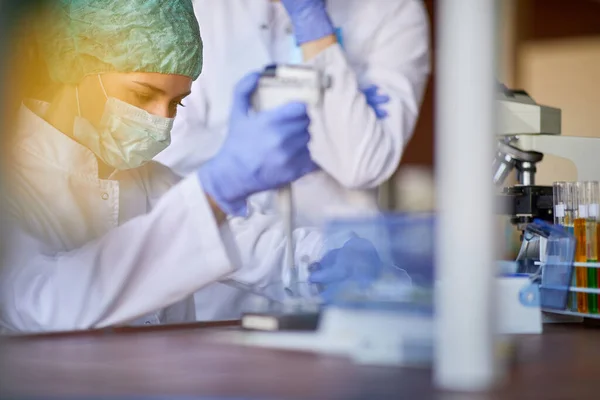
(158, 94)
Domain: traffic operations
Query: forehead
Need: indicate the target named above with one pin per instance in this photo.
(170, 84)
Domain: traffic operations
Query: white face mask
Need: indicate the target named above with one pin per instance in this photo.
(127, 137)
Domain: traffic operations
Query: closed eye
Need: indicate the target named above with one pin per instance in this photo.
(142, 98)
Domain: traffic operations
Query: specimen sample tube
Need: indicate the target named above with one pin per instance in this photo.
(593, 199)
(581, 248)
(570, 196)
(560, 194)
(571, 204)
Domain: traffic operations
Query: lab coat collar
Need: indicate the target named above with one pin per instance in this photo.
(38, 137)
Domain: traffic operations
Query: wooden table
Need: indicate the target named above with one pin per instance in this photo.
(564, 363)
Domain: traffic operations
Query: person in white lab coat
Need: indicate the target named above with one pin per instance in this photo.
(98, 234)
(355, 139)
(359, 44)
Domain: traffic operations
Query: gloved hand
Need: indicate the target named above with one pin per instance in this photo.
(263, 151)
(356, 262)
(376, 100)
(310, 19)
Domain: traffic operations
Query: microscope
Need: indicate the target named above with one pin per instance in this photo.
(526, 132)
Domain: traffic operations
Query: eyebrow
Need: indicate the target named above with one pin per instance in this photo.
(149, 86)
(158, 90)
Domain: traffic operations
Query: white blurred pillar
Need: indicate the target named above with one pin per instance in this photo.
(465, 126)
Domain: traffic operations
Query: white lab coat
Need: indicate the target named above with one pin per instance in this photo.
(86, 252)
(386, 42)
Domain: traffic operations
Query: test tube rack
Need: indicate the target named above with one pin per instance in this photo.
(573, 291)
(577, 211)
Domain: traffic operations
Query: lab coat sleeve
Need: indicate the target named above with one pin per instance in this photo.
(257, 244)
(136, 268)
(348, 141)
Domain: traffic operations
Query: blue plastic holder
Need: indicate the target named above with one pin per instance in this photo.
(405, 244)
(404, 240)
(556, 271)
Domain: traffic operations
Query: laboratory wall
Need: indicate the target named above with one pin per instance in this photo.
(551, 49)
(557, 61)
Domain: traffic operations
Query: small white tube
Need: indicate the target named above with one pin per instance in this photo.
(465, 129)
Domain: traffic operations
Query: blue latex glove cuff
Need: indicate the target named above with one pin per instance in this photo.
(312, 23)
(235, 207)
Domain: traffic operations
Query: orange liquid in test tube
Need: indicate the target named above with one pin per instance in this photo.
(581, 256)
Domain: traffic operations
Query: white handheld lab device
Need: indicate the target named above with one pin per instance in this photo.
(279, 85)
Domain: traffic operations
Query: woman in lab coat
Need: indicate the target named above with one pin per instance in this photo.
(100, 236)
(357, 141)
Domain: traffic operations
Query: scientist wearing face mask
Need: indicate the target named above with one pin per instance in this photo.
(98, 234)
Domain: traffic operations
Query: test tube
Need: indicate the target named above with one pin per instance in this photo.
(580, 232)
(593, 199)
(570, 196)
(597, 281)
(559, 194)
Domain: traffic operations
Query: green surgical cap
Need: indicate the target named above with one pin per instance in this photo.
(83, 37)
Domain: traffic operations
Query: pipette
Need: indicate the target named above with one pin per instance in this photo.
(278, 85)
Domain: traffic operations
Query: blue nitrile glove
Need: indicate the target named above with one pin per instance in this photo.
(262, 151)
(376, 100)
(310, 19)
(356, 262)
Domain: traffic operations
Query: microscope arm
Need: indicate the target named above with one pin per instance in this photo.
(584, 152)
